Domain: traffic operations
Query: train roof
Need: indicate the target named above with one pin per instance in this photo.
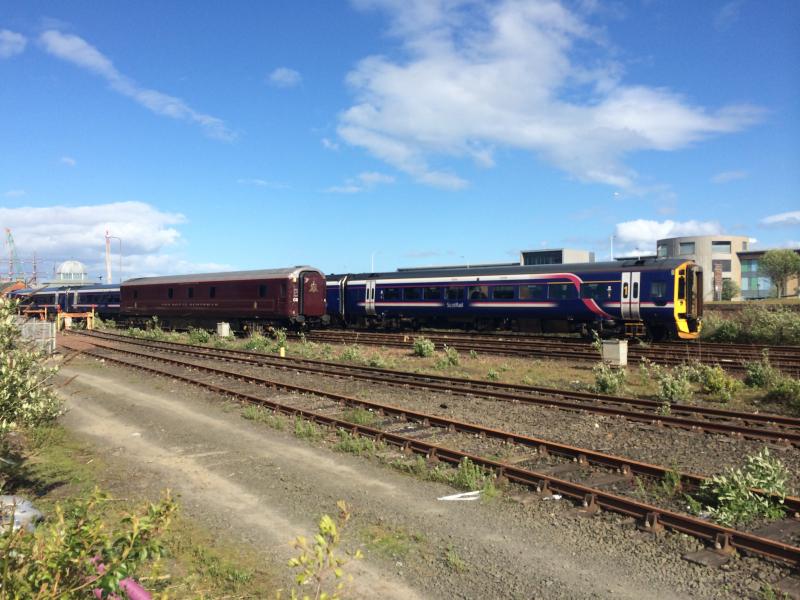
(258, 274)
(646, 264)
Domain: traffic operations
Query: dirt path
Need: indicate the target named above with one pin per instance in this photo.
(263, 487)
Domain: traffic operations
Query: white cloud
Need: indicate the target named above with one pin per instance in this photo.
(78, 51)
(330, 144)
(727, 176)
(68, 160)
(728, 14)
(505, 75)
(11, 43)
(57, 233)
(361, 183)
(640, 235)
(283, 77)
(790, 219)
(14, 193)
(263, 183)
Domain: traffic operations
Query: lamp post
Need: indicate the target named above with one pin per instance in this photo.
(372, 261)
(113, 237)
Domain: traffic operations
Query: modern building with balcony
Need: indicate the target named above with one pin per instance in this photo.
(755, 283)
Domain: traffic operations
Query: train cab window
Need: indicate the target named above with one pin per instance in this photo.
(563, 291)
(169, 293)
(479, 292)
(391, 293)
(537, 291)
(412, 294)
(432, 293)
(593, 291)
(190, 292)
(455, 294)
(503, 292)
(658, 289)
(212, 292)
(262, 291)
(681, 288)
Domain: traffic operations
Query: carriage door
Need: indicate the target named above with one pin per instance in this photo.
(369, 297)
(342, 297)
(631, 291)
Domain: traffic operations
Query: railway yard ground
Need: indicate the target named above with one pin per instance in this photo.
(257, 447)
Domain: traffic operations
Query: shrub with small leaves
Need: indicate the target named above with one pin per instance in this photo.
(257, 343)
(786, 390)
(351, 354)
(717, 383)
(199, 336)
(608, 380)
(492, 375)
(730, 500)
(423, 347)
(674, 387)
(760, 374)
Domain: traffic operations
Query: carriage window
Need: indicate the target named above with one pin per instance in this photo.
(533, 292)
(658, 289)
(563, 291)
(262, 291)
(432, 293)
(455, 293)
(503, 292)
(594, 291)
(212, 292)
(282, 290)
(190, 292)
(135, 294)
(169, 292)
(635, 289)
(391, 293)
(624, 290)
(479, 292)
(412, 294)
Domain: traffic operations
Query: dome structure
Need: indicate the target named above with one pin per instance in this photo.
(71, 271)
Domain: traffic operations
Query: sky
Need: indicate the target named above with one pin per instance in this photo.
(209, 136)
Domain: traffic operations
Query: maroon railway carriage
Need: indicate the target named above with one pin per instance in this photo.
(248, 300)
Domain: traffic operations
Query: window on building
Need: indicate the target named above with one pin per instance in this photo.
(745, 245)
(262, 291)
(455, 294)
(663, 250)
(534, 292)
(479, 292)
(686, 248)
(391, 293)
(725, 264)
(503, 292)
(764, 284)
(212, 292)
(720, 247)
(169, 292)
(432, 293)
(546, 257)
(745, 284)
(412, 294)
(563, 291)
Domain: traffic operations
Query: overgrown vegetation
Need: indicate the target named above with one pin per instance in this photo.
(754, 324)
(354, 444)
(729, 499)
(259, 414)
(608, 380)
(423, 347)
(780, 388)
(450, 358)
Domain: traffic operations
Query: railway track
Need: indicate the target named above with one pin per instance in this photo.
(767, 427)
(732, 357)
(582, 475)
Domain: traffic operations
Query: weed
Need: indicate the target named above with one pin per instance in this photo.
(221, 570)
(608, 380)
(423, 347)
(492, 375)
(351, 354)
(786, 389)
(468, 475)
(257, 343)
(473, 354)
(451, 354)
(671, 484)
(390, 542)
(674, 387)
(306, 430)
(760, 374)
(597, 343)
(754, 324)
(354, 444)
(259, 414)
(729, 498)
(454, 561)
(359, 416)
(198, 336)
(716, 382)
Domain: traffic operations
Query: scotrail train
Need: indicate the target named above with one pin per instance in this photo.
(659, 298)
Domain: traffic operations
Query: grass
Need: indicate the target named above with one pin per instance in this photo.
(359, 416)
(391, 542)
(354, 444)
(454, 561)
(259, 414)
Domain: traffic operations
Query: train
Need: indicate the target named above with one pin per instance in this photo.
(653, 298)
(103, 299)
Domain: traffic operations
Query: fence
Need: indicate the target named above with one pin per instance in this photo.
(41, 333)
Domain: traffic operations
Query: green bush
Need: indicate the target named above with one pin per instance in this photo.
(608, 380)
(760, 374)
(674, 387)
(492, 375)
(786, 390)
(198, 336)
(729, 498)
(423, 347)
(351, 354)
(61, 558)
(717, 383)
(451, 355)
(754, 324)
(257, 343)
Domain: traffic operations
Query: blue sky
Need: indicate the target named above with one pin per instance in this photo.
(244, 135)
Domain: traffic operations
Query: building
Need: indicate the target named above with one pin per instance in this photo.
(755, 283)
(558, 256)
(710, 252)
(70, 272)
